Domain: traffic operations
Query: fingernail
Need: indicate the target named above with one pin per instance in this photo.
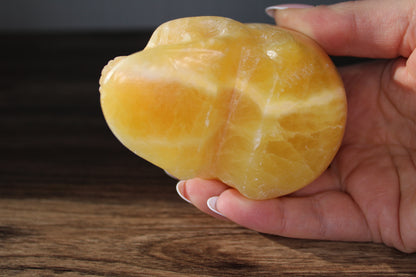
(272, 9)
(180, 189)
(212, 205)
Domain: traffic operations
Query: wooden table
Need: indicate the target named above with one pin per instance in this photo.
(75, 202)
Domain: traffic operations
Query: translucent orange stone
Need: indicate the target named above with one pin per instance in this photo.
(258, 107)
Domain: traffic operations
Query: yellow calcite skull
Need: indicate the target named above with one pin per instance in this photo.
(256, 106)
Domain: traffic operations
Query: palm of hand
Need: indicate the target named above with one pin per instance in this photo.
(374, 172)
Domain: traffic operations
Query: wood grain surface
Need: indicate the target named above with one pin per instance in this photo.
(75, 202)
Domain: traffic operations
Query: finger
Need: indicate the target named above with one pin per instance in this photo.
(198, 191)
(373, 29)
(404, 73)
(328, 216)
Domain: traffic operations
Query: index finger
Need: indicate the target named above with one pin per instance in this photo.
(372, 29)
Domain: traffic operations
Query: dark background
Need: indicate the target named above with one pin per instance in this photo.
(60, 15)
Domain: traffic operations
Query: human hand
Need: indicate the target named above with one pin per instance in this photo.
(369, 191)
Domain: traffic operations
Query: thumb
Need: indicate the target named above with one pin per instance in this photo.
(371, 28)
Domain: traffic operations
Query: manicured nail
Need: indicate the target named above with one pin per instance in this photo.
(212, 205)
(271, 10)
(180, 189)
